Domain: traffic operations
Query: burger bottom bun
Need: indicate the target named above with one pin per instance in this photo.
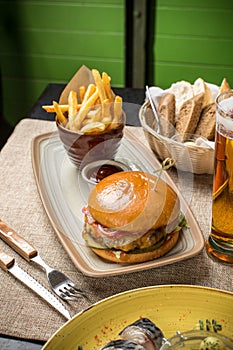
(128, 258)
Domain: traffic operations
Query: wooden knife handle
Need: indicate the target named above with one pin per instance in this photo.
(6, 261)
(17, 242)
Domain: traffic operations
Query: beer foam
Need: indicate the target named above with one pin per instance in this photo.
(226, 105)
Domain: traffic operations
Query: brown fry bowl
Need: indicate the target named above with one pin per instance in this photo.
(85, 148)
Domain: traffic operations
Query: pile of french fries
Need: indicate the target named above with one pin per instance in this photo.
(94, 110)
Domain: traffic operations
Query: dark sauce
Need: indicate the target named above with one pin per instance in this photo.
(100, 172)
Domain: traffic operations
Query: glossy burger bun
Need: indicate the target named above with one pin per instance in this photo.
(134, 201)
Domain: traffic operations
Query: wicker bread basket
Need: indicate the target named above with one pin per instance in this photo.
(192, 158)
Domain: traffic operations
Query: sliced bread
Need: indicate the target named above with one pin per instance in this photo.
(166, 112)
(183, 91)
(189, 115)
(207, 122)
(199, 87)
(224, 87)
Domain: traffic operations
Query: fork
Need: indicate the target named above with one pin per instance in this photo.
(59, 282)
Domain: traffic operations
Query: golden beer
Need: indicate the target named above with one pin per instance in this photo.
(220, 241)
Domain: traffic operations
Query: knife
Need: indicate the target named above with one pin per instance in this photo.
(8, 264)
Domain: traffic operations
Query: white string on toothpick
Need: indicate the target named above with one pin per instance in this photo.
(166, 164)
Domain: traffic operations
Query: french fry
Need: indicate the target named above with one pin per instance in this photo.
(90, 109)
(117, 109)
(69, 126)
(106, 112)
(63, 108)
(94, 115)
(86, 121)
(59, 113)
(107, 87)
(98, 102)
(72, 102)
(107, 121)
(90, 91)
(85, 109)
(93, 128)
(99, 84)
(51, 109)
(82, 91)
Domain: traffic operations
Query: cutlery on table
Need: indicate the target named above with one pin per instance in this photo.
(59, 282)
(8, 264)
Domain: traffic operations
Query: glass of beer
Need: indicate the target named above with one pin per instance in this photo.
(220, 241)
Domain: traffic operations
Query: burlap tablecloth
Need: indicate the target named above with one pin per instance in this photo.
(24, 314)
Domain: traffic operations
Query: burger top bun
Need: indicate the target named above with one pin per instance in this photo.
(130, 201)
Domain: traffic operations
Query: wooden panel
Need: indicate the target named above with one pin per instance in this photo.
(76, 16)
(166, 73)
(195, 22)
(71, 44)
(193, 38)
(47, 41)
(52, 69)
(194, 50)
(207, 4)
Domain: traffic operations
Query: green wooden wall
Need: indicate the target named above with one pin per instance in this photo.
(193, 38)
(47, 41)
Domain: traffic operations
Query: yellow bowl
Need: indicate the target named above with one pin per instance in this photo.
(170, 307)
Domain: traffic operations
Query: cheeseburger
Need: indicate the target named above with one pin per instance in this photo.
(132, 217)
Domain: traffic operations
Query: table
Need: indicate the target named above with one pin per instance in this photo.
(22, 209)
(52, 92)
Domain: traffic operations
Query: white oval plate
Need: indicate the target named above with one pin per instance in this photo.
(64, 193)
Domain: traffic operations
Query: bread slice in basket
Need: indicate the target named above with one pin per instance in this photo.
(207, 122)
(166, 111)
(200, 87)
(190, 109)
(225, 86)
(189, 115)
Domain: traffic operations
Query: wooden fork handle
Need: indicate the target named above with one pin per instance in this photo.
(17, 242)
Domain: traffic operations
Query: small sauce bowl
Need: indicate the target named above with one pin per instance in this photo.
(193, 340)
(96, 171)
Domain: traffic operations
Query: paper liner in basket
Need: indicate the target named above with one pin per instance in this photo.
(83, 77)
(156, 92)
